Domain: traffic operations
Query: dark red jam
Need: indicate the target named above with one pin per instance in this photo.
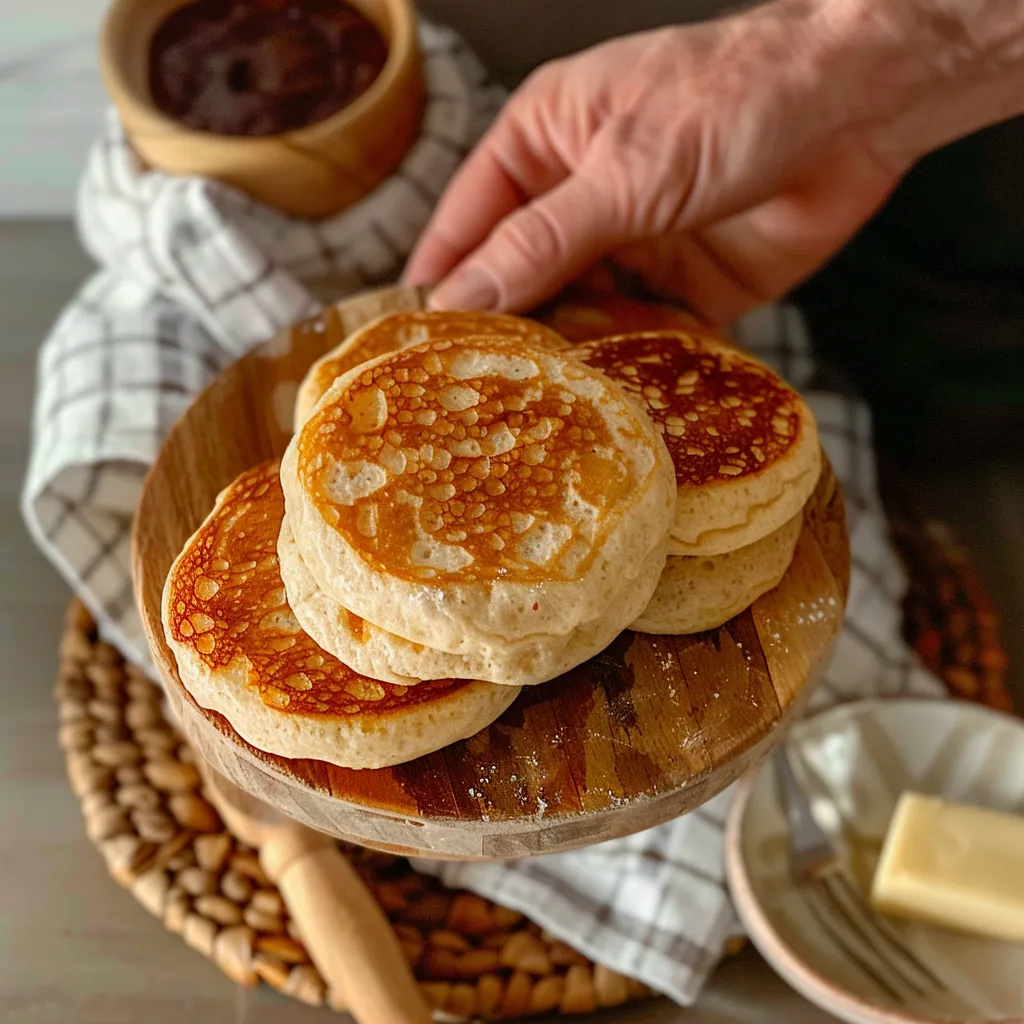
(261, 67)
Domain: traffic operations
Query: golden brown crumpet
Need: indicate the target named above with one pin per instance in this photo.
(381, 655)
(476, 486)
(743, 443)
(241, 652)
(399, 330)
(699, 592)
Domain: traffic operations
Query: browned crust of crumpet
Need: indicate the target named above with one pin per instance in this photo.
(241, 651)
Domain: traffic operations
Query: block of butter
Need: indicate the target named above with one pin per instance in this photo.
(953, 865)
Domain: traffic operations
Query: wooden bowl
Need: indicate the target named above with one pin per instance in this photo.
(649, 729)
(311, 172)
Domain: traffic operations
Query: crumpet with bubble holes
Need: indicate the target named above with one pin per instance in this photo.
(744, 444)
(394, 331)
(374, 652)
(241, 652)
(478, 490)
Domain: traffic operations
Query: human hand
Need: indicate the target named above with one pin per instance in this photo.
(722, 162)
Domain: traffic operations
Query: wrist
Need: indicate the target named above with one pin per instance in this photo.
(930, 71)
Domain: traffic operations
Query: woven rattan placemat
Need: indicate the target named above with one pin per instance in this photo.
(145, 812)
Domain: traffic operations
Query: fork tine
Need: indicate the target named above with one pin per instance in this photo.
(838, 896)
(818, 869)
(887, 932)
(866, 967)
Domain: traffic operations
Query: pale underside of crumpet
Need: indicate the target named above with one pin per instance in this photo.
(241, 652)
(744, 444)
(373, 652)
(702, 592)
(490, 489)
(394, 331)
(744, 519)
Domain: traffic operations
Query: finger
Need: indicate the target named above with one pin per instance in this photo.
(777, 244)
(685, 268)
(515, 161)
(479, 196)
(537, 250)
(725, 269)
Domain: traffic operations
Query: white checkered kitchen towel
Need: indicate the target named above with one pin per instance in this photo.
(193, 274)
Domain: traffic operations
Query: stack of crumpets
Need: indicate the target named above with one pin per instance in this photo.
(484, 506)
(471, 504)
(746, 455)
(241, 651)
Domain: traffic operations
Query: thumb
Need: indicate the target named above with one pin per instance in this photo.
(536, 251)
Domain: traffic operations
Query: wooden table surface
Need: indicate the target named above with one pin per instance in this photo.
(76, 948)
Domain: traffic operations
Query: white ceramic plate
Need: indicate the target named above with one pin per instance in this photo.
(854, 762)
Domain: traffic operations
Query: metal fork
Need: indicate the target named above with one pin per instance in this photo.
(834, 899)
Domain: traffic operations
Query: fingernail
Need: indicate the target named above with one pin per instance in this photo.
(472, 288)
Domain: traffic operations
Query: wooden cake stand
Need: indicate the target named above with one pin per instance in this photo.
(651, 728)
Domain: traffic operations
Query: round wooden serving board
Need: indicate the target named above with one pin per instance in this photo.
(651, 728)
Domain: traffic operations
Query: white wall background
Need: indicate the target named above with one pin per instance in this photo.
(51, 101)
